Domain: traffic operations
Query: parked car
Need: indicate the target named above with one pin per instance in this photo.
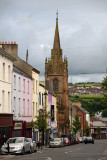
(18, 145)
(32, 145)
(77, 140)
(73, 140)
(68, 136)
(67, 141)
(81, 139)
(84, 137)
(89, 140)
(56, 142)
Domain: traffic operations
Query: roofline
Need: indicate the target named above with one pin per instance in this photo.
(6, 54)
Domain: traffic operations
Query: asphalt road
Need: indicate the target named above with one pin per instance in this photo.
(96, 151)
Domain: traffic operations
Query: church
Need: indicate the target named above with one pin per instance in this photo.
(56, 71)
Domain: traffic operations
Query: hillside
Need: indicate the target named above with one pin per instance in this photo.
(91, 103)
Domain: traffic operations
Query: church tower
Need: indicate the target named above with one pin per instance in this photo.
(56, 71)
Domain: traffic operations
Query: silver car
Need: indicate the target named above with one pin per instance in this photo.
(56, 142)
(32, 144)
(18, 145)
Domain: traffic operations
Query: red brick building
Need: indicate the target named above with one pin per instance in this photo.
(56, 70)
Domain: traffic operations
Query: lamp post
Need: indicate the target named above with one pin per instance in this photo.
(44, 110)
(71, 118)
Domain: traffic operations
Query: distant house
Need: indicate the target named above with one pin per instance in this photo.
(76, 108)
(100, 123)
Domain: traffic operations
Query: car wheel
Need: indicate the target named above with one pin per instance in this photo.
(23, 151)
(30, 151)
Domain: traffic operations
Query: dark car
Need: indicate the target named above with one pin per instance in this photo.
(89, 140)
(67, 136)
(73, 140)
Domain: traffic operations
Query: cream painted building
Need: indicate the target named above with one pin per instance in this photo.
(6, 117)
(35, 105)
(6, 68)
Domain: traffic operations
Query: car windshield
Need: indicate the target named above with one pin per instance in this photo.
(89, 137)
(30, 140)
(15, 140)
(56, 139)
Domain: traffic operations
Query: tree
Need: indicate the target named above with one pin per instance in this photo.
(99, 131)
(41, 122)
(104, 86)
(104, 113)
(87, 129)
(76, 125)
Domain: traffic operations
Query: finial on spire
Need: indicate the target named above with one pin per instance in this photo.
(57, 15)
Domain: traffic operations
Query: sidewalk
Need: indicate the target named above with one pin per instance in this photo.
(9, 155)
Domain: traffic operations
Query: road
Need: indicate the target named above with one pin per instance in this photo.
(96, 151)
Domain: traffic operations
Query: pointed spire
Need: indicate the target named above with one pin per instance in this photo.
(27, 56)
(56, 37)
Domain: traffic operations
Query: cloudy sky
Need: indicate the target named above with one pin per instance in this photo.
(82, 29)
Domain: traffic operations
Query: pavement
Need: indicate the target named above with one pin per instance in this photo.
(9, 155)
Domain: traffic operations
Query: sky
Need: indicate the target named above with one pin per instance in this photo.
(82, 28)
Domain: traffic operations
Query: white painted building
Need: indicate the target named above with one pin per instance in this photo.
(6, 68)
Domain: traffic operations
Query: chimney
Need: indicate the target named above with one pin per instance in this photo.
(11, 48)
(27, 56)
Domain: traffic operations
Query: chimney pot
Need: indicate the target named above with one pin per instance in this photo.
(5, 42)
(11, 42)
(14, 42)
(2, 42)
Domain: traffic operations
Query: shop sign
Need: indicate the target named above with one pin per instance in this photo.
(92, 130)
(18, 126)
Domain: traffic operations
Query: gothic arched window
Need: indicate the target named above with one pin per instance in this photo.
(55, 84)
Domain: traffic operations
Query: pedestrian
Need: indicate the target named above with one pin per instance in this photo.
(4, 139)
(0, 143)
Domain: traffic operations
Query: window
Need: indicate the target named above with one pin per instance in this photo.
(3, 71)
(55, 84)
(36, 86)
(3, 99)
(9, 100)
(39, 98)
(23, 85)
(33, 109)
(14, 81)
(33, 85)
(28, 87)
(36, 109)
(19, 108)
(24, 107)
(42, 98)
(52, 112)
(14, 105)
(9, 74)
(28, 107)
(19, 83)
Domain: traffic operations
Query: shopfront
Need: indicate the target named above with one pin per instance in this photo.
(6, 125)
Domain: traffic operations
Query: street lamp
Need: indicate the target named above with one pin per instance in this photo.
(71, 118)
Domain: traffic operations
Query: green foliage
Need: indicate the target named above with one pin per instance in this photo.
(104, 83)
(76, 125)
(87, 129)
(99, 130)
(41, 121)
(104, 86)
(91, 103)
(104, 113)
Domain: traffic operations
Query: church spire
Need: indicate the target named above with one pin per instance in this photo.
(56, 37)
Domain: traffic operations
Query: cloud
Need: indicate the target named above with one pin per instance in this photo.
(82, 28)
